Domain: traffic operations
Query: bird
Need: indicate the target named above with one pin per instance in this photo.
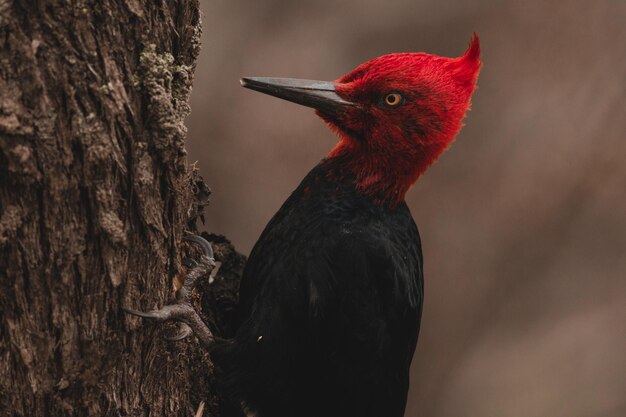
(331, 297)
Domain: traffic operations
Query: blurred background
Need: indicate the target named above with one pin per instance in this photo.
(523, 220)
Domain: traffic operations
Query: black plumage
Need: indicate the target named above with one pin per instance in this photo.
(330, 306)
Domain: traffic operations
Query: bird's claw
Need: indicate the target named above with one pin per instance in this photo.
(178, 311)
(154, 314)
(185, 331)
(204, 244)
(182, 311)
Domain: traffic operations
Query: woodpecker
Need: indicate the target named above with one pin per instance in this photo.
(331, 296)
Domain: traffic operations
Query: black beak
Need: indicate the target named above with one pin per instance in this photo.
(320, 95)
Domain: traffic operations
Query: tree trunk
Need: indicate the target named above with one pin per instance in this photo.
(95, 196)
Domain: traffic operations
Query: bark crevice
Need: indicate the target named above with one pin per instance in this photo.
(95, 197)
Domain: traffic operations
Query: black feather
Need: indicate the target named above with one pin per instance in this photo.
(330, 307)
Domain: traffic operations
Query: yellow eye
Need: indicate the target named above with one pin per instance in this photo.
(393, 99)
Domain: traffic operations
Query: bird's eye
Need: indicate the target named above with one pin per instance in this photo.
(393, 100)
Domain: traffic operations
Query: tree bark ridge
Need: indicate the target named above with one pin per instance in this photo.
(95, 195)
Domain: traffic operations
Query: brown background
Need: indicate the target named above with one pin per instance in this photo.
(523, 220)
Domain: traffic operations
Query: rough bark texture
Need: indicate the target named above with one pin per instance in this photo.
(95, 195)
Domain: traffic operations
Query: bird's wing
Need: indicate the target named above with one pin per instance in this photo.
(349, 307)
(364, 306)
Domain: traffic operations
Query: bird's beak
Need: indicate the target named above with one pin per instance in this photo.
(320, 95)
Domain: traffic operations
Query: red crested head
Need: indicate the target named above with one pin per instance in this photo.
(409, 109)
(395, 115)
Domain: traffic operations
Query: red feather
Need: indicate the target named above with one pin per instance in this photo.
(387, 149)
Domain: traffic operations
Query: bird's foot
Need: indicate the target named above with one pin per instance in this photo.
(182, 311)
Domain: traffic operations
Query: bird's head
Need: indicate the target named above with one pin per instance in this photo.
(395, 115)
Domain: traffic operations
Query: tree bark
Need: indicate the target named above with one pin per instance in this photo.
(95, 196)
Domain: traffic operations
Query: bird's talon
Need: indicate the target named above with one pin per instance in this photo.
(182, 311)
(145, 315)
(202, 242)
(185, 331)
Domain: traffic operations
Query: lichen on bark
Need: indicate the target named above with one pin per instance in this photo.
(167, 86)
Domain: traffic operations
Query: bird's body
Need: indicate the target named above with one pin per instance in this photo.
(331, 296)
(331, 301)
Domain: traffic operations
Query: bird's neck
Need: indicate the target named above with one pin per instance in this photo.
(384, 174)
